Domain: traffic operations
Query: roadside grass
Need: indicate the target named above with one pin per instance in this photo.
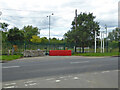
(97, 54)
(10, 57)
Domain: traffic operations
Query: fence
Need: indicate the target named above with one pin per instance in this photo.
(19, 47)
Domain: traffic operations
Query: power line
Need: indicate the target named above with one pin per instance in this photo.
(23, 17)
(23, 10)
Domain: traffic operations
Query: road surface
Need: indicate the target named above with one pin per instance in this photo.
(61, 72)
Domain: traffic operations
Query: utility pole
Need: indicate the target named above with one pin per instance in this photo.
(49, 28)
(75, 25)
(75, 19)
(95, 41)
(106, 39)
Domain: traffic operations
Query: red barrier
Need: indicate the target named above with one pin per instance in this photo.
(60, 53)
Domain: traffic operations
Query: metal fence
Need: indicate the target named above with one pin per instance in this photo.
(19, 47)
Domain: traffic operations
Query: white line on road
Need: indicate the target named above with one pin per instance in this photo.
(10, 67)
(10, 84)
(10, 87)
(79, 62)
(105, 71)
(57, 81)
(76, 78)
(33, 84)
(50, 79)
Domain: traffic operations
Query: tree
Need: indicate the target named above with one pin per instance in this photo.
(44, 40)
(55, 41)
(84, 33)
(29, 31)
(4, 36)
(4, 26)
(4, 32)
(35, 39)
(15, 34)
(114, 35)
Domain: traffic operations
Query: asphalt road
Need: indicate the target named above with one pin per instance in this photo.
(68, 69)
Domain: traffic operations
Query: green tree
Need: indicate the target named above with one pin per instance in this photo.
(44, 40)
(84, 33)
(35, 39)
(4, 36)
(29, 31)
(4, 26)
(4, 32)
(114, 35)
(15, 35)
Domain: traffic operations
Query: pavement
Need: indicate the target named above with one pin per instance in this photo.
(61, 72)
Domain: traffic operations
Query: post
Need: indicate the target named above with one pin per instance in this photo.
(95, 41)
(75, 19)
(49, 32)
(101, 42)
(106, 39)
(49, 29)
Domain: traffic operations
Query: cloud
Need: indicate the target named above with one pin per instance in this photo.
(34, 12)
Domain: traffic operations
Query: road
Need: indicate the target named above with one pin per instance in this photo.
(61, 72)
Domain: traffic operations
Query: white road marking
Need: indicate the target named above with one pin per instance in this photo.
(33, 84)
(10, 84)
(61, 77)
(57, 81)
(11, 67)
(10, 87)
(105, 71)
(26, 85)
(76, 78)
(50, 79)
(28, 82)
(116, 70)
(79, 62)
(90, 81)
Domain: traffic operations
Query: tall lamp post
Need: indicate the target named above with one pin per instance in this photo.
(95, 41)
(49, 28)
(106, 39)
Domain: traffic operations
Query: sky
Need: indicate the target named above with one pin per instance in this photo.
(20, 13)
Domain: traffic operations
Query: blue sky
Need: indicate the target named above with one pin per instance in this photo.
(34, 12)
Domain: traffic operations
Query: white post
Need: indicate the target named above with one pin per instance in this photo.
(101, 42)
(95, 41)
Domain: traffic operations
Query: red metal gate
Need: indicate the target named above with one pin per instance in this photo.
(60, 53)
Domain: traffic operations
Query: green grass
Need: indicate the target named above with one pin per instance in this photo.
(96, 54)
(10, 57)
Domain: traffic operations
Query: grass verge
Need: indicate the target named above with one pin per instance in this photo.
(10, 57)
(97, 54)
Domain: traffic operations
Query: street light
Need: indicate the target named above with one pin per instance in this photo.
(49, 29)
(106, 38)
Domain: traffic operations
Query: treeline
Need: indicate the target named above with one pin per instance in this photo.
(28, 34)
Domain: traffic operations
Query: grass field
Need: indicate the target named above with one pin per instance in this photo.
(97, 54)
(10, 57)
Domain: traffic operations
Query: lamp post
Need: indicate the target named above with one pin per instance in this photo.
(95, 41)
(106, 39)
(103, 41)
(49, 28)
